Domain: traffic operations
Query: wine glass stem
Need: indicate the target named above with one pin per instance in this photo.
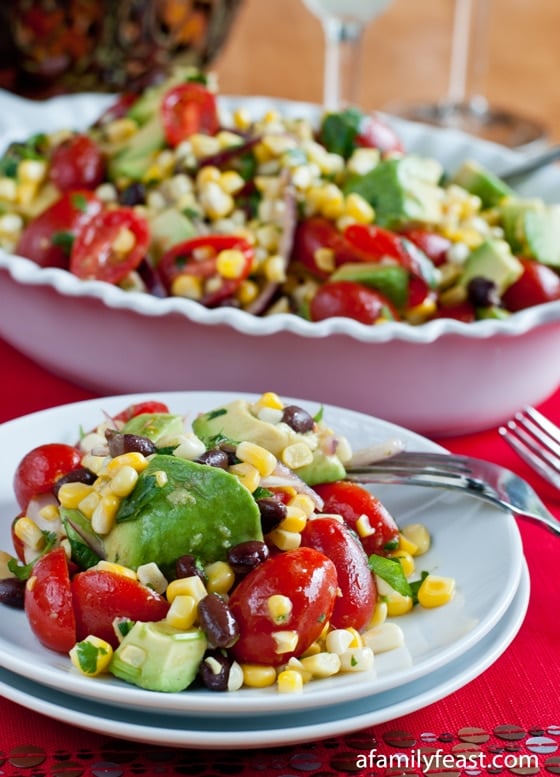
(343, 43)
(469, 52)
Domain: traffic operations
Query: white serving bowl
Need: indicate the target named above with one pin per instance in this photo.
(442, 378)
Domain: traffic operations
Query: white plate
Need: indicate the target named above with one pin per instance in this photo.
(277, 730)
(393, 371)
(466, 533)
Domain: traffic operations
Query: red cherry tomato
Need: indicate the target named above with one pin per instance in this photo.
(434, 245)
(77, 163)
(47, 239)
(118, 109)
(308, 578)
(48, 602)
(351, 300)
(351, 501)
(538, 283)
(316, 233)
(187, 109)
(95, 254)
(198, 257)
(140, 408)
(39, 470)
(462, 311)
(355, 606)
(100, 596)
(375, 133)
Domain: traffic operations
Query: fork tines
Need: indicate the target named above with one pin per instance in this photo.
(537, 441)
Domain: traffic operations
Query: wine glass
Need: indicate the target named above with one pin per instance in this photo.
(344, 22)
(465, 107)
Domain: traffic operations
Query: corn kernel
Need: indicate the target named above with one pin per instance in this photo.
(397, 604)
(279, 608)
(124, 480)
(50, 512)
(91, 656)
(322, 664)
(89, 503)
(364, 527)
(405, 560)
(290, 681)
(242, 118)
(8, 189)
(275, 268)
(189, 286)
(247, 292)
(231, 263)
(231, 182)
(258, 675)
(356, 660)
(251, 453)
(103, 518)
(71, 494)
(270, 400)
(379, 615)
(133, 459)
(116, 569)
(358, 208)
(27, 531)
(182, 612)
(387, 636)
(407, 546)
(296, 455)
(285, 641)
(284, 540)
(302, 502)
(295, 520)
(124, 241)
(419, 535)
(204, 145)
(215, 201)
(247, 474)
(435, 591)
(151, 575)
(120, 130)
(220, 577)
(186, 586)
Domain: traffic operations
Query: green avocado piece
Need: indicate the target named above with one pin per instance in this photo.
(155, 426)
(86, 546)
(481, 182)
(133, 160)
(532, 228)
(168, 228)
(494, 260)
(148, 103)
(402, 190)
(158, 657)
(390, 279)
(236, 422)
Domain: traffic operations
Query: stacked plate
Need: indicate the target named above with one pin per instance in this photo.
(459, 640)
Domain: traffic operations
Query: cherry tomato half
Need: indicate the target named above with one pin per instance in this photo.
(47, 239)
(198, 257)
(98, 252)
(538, 283)
(48, 602)
(308, 579)
(462, 311)
(434, 245)
(77, 163)
(187, 109)
(139, 408)
(99, 596)
(375, 133)
(316, 233)
(351, 300)
(356, 604)
(351, 501)
(38, 470)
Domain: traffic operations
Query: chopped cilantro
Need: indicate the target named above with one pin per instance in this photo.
(390, 570)
(64, 240)
(88, 654)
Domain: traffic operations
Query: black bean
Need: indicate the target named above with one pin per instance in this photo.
(79, 475)
(188, 566)
(482, 292)
(217, 621)
(272, 511)
(215, 669)
(12, 592)
(215, 458)
(298, 419)
(134, 194)
(245, 556)
(128, 443)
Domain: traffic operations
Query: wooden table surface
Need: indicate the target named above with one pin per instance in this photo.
(276, 48)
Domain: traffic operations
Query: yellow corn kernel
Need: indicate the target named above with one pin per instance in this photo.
(29, 533)
(182, 612)
(215, 201)
(418, 534)
(50, 512)
(251, 453)
(89, 503)
(151, 576)
(338, 640)
(321, 664)
(242, 119)
(204, 145)
(91, 656)
(358, 659)
(295, 520)
(379, 615)
(186, 586)
(387, 636)
(312, 650)
(332, 205)
(189, 286)
(302, 502)
(435, 591)
(103, 518)
(124, 241)
(124, 481)
(397, 604)
(325, 259)
(296, 455)
(405, 560)
(246, 292)
(258, 675)
(407, 546)
(285, 641)
(71, 494)
(32, 171)
(133, 459)
(284, 540)
(95, 464)
(220, 577)
(120, 130)
(8, 189)
(230, 263)
(247, 474)
(290, 681)
(231, 182)
(270, 400)
(358, 208)
(364, 527)
(116, 569)
(421, 312)
(275, 268)
(279, 608)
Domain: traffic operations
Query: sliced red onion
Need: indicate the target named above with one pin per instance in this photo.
(377, 452)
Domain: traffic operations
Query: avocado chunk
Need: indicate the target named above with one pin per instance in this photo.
(237, 423)
(158, 657)
(402, 190)
(133, 160)
(390, 279)
(532, 228)
(148, 103)
(481, 182)
(168, 228)
(494, 260)
(155, 426)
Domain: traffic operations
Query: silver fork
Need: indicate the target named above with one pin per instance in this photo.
(476, 477)
(537, 441)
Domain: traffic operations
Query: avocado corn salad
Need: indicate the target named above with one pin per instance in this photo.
(225, 555)
(169, 194)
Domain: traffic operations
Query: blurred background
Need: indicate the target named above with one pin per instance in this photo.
(276, 47)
